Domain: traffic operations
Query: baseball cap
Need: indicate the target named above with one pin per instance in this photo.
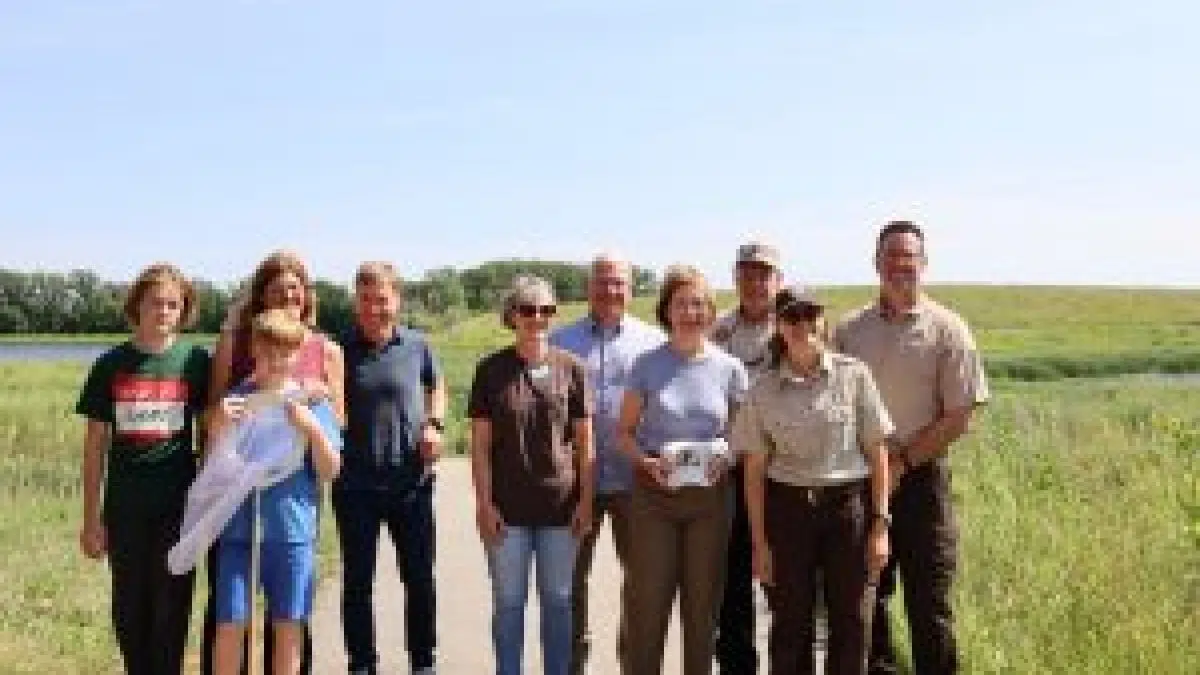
(758, 253)
(796, 295)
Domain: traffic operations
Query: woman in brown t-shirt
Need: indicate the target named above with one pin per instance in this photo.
(531, 461)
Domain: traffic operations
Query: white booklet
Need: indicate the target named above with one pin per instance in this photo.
(689, 461)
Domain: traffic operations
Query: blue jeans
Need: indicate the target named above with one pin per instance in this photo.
(508, 565)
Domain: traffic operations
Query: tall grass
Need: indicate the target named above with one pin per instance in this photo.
(53, 604)
(1080, 520)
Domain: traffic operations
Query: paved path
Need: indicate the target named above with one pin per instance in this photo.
(464, 603)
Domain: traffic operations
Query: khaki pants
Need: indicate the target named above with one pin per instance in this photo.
(680, 545)
(617, 507)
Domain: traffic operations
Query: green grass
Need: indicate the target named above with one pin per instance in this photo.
(53, 604)
(1080, 512)
(1035, 333)
(1079, 502)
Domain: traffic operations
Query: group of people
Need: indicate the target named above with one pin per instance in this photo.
(765, 443)
(370, 408)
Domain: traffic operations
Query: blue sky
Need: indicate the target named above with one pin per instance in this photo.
(1040, 142)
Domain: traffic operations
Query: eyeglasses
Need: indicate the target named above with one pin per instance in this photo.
(530, 311)
(799, 312)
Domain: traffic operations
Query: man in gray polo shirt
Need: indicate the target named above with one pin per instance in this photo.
(608, 341)
(744, 332)
(395, 406)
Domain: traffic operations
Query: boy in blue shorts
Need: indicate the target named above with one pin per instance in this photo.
(287, 509)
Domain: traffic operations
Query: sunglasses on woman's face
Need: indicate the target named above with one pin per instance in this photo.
(530, 311)
(799, 313)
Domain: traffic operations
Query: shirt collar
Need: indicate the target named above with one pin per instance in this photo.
(363, 342)
(596, 329)
(914, 312)
(824, 368)
(739, 319)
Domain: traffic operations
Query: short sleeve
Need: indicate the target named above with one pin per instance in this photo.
(198, 369)
(431, 370)
(749, 434)
(328, 423)
(95, 398)
(874, 422)
(479, 402)
(639, 382)
(558, 338)
(739, 383)
(962, 381)
(838, 339)
(579, 396)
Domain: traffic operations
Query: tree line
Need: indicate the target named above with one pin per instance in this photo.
(80, 301)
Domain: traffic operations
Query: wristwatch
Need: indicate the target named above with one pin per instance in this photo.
(885, 518)
(436, 423)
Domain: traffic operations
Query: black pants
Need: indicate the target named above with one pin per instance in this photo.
(408, 517)
(924, 542)
(150, 606)
(735, 628)
(809, 531)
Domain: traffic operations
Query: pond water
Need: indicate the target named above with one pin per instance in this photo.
(52, 351)
(46, 350)
(87, 352)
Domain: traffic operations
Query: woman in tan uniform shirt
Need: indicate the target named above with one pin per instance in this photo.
(813, 432)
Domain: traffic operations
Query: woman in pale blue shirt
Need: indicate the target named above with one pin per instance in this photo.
(686, 390)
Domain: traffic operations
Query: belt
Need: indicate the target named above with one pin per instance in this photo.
(818, 494)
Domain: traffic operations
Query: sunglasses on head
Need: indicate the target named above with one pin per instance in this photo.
(799, 312)
(530, 311)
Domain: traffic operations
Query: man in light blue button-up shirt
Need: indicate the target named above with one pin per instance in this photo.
(608, 341)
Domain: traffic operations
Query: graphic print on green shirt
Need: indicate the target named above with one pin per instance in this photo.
(149, 401)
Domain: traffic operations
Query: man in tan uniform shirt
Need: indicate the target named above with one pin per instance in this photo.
(931, 378)
(744, 332)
